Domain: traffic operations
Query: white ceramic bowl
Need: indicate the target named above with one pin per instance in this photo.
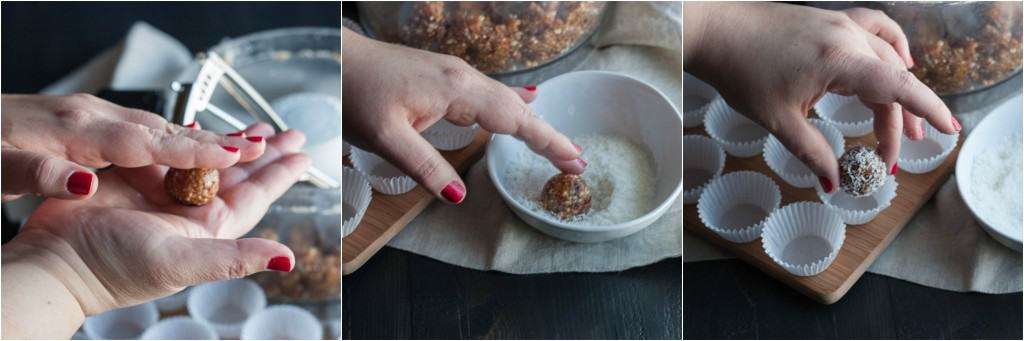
(591, 102)
(988, 136)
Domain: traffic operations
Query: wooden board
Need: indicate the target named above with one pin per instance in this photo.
(388, 214)
(863, 243)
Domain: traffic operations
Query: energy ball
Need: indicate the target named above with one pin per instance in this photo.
(194, 187)
(566, 196)
(861, 171)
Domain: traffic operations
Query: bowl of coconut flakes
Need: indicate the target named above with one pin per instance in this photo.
(631, 137)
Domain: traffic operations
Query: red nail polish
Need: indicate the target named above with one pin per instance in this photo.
(895, 167)
(237, 134)
(956, 124)
(280, 263)
(193, 125)
(230, 148)
(454, 192)
(825, 184)
(80, 183)
(530, 88)
(582, 162)
(255, 138)
(578, 148)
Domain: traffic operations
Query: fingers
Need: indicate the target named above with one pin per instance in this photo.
(250, 200)
(200, 260)
(498, 111)
(287, 142)
(876, 81)
(880, 25)
(888, 129)
(527, 93)
(912, 126)
(27, 172)
(806, 143)
(408, 151)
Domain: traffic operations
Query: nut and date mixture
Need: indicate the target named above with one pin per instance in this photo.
(316, 275)
(496, 36)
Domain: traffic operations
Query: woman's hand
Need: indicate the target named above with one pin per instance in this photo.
(132, 243)
(392, 93)
(48, 139)
(773, 62)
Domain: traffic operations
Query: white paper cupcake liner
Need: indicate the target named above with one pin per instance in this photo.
(695, 88)
(124, 323)
(172, 303)
(445, 135)
(803, 237)
(829, 108)
(283, 322)
(738, 135)
(384, 177)
(226, 305)
(926, 154)
(345, 148)
(736, 205)
(703, 161)
(858, 211)
(792, 169)
(179, 328)
(356, 195)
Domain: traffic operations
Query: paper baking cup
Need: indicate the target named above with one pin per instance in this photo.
(384, 177)
(789, 167)
(860, 210)
(924, 155)
(124, 323)
(696, 91)
(846, 113)
(736, 205)
(283, 322)
(355, 198)
(445, 135)
(226, 305)
(172, 303)
(703, 160)
(345, 148)
(803, 237)
(738, 135)
(179, 328)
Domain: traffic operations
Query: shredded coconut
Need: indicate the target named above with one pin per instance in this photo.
(996, 183)
(620, 175)
(861, 171)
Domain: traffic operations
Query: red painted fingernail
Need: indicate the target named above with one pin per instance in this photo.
(578, 148)
(582, 162)
(193, 125)
(894, 168)
(956, 124)
(237, 134)
(255, 138)
(230, 148)
(80, 183)
(280, 263)
(454, 192)
(530, 88)
(825, 184)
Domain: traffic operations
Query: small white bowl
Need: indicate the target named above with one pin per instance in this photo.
(803, 237)
(124, 323)
(792, 169)
(846, 113)
(738, 135)
(703, 161)
(926, 154)
(179, 328)
(226, 305)
(590, 102)
(697, 99)
(283, 322)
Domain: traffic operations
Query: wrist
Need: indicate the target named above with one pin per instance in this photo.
(37, 302)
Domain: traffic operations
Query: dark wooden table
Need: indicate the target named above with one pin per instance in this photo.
(729, 299)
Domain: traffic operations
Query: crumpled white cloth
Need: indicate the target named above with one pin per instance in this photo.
(643, 40)
(943, 246)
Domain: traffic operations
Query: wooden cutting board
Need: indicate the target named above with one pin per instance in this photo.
(863, 243)
(388, 214)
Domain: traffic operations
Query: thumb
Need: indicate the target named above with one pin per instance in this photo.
(806, 143)
(201, 260)
(50, 176)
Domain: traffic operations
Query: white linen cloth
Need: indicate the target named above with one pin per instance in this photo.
(643, 40)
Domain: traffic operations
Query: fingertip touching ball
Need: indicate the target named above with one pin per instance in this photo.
(566, 196)
(193, 187)
(861, 171)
